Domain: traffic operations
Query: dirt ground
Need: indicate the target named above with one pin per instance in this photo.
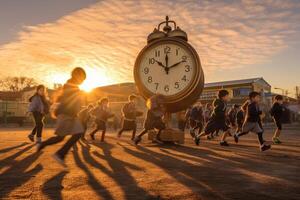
(119, 170)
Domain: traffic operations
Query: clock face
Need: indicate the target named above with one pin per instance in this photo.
(167, 68)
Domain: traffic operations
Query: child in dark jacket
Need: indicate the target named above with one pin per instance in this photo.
(102, 114)
(196, 119)
(277, 113)
(68, 105)
(154, 118)
(217, 121)
(130, 114)
(253, 122)
(39, 107)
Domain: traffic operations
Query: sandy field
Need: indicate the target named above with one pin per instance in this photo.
(118, 170)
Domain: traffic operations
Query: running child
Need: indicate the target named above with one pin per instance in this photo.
(253, 122)
(102, 114)
(84, 116)
(68, 105)
(217, 121)
(239, 119)
(130, 114)
(39, 107)
(277, 113)
(232, 114)
(154, 117)
(196, 119)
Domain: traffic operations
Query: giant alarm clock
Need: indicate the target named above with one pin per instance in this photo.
(170, 66)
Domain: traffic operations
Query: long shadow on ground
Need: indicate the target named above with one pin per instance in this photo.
(100, 189)
(17, 175)
(120, 173)
(53, 187)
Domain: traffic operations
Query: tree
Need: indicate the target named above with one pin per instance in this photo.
(16, 84)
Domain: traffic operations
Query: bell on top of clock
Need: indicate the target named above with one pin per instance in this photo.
(167, 31)
(156, 34)
(178, 33)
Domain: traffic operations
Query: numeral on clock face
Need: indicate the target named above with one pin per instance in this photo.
(151, 60)
(187, 68)
(146, 70)
(156, 85)
(167, 49)
(157, 53)
(166, 88)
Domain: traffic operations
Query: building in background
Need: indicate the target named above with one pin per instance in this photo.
(238, 90)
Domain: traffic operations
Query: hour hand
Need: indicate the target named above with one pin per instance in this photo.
(160, 64)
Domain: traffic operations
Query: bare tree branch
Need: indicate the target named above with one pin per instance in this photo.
(16, 84)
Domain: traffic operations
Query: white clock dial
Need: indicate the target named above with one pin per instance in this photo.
(167, 68)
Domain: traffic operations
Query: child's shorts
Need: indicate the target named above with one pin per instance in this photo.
(251, 127)
(278, 124)
(128, 125)
(214, 125)
(101, 125)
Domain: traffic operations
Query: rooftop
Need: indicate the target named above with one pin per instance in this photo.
(235, 82)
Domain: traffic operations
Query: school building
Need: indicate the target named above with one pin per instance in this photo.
(238, 90)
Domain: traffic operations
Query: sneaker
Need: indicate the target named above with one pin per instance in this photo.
(31, 137)
(236, 138)
(59, 160)
(224, 143)
(137, 140)
(92, 136)
(276, 141)
(265, 147)
(197, 140)
(209, 137)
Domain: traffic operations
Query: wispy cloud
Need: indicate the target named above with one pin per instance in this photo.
(106, 37)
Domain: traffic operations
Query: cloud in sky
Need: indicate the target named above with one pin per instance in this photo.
(106, 37)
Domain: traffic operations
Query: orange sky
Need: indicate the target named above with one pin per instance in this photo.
(235, 39)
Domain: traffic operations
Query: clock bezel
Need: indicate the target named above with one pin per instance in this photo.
(198, 77)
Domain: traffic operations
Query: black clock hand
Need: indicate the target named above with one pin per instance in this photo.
(167, 63)
(176, 64)
(167, 60)
(160, 64)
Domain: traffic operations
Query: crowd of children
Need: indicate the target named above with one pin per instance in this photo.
(202, 120)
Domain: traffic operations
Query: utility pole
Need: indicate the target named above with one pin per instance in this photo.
(298, 93)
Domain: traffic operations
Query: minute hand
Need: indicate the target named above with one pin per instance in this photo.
(175, 64)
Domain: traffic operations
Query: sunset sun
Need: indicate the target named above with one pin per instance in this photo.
(95, 78)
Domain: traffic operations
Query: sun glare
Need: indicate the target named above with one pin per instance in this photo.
(95, 78)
